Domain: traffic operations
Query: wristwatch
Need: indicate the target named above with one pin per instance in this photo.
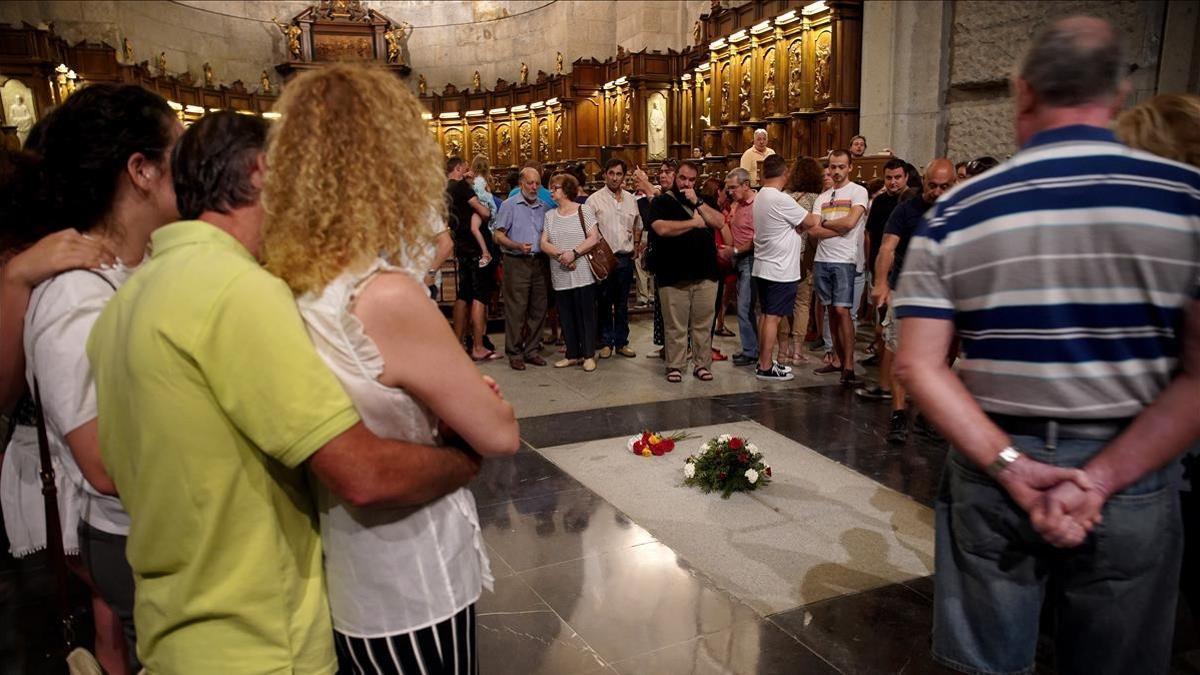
(1006, 457)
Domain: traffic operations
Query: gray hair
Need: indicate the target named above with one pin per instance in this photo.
(739, 174)
(1074, 61)
(530, 170)
(760, 131)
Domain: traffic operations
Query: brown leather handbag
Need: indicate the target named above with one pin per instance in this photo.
(600, 258)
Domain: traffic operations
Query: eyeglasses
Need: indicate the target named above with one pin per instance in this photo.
(555, 187)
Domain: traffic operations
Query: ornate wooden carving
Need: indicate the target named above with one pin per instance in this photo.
(337, 30)
(526, 140)
(821, 67)
(479, 142)
(768, 96)
(454, 143)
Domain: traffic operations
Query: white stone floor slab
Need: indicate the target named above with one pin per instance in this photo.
(819, 530)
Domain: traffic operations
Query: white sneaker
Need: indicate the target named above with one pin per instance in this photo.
(779, 366)
(775, 374)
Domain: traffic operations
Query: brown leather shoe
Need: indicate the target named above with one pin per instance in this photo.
(516, 364)
(535, 360)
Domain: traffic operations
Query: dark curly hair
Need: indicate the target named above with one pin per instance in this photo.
(807, 176)
(74, 155)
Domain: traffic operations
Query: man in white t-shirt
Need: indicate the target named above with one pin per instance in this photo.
(844, 209)
(755, 154)
(779, 226)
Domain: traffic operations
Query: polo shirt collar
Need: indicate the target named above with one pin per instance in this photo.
(187, 232)
(1070, 133)
(537, 201)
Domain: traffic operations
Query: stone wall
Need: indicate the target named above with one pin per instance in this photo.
(986, 43)
(450, 40)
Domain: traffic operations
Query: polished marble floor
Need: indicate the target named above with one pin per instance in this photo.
(581, 587)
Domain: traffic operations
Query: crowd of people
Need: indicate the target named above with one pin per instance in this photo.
(262, 428)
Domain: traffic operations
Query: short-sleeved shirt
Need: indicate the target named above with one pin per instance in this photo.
(617, 219)
(1066, 271)
(522, 222)
(740, 218)
(750, 160)
(877, 217)
(458, 205)
(837, 203)
(903, 223)
(567, 232)
(691, 256)
(778, 246)
(211, 397)
(61, 313)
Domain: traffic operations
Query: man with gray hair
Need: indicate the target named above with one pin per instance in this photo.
(526, 271)
(739, 217)
(753, 157)
(1070, 272)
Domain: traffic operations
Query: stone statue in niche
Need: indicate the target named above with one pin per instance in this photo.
(821, 68)
(558, 64)
(476, 81)
(524, 79)
(526, 142)
(724, 101)
(209, 80)
(127, 50)
(265, 82)
(21, 117)
(768, 95)
(292, 33)
(744, 95)
(422, 85)
(795, 73)
(160, 63)
(503, 145)
(657, 119)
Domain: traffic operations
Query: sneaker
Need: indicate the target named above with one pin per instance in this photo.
(897, 428)
(774, 374)
(589, 365)
(873, 393)
(606, 352)
(627, 352)
(743, 360)
(718, 356)
(780, 366)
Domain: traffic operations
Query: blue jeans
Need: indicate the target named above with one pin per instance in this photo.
(1112, 598)
(612, 306)
(747, 327)
(860, 281)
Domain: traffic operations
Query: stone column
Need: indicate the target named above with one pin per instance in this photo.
(905, 76)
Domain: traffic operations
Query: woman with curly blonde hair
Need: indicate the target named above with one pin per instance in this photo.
(1167, 125)
(349, 231)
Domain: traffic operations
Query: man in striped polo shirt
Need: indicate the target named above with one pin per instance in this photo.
(1070, 272)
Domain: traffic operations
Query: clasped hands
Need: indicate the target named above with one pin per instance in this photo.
(567, 259)
(1063, 504)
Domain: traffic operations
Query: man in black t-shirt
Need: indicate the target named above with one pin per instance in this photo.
(901, 225)
(475, 282)
(895, 181)
(685, 268)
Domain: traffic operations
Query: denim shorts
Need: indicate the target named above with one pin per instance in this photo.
(835, 283)
(1112, 598)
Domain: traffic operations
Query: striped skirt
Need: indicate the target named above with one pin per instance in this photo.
(447, 648)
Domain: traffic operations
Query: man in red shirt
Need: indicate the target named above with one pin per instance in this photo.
(739, 217)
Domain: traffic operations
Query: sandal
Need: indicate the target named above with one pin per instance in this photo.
(673, 375)
(490, 356)
(724, 332)
(703, 374)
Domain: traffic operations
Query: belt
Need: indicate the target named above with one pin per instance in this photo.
(1052, 429)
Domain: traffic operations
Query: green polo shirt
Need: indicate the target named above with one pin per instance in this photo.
(211, 397)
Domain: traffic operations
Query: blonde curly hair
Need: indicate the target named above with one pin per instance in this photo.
(354, 175)
(1167, 125)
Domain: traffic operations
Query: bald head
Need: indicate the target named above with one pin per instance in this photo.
(1073, 62)
(940, 176)
(530, 180)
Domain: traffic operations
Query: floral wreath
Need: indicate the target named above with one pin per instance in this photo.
(726, 464)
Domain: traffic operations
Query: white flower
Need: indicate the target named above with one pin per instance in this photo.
(752, 476)
(724, 438)
(689, 470)
(752, 447)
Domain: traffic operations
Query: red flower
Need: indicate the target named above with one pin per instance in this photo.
(768, 472)
(721, 475)
(637, 447)
(736, 443)
(743, 457)
(667, 445)
(657, 450)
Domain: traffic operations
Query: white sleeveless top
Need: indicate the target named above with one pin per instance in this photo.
(389, 570)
